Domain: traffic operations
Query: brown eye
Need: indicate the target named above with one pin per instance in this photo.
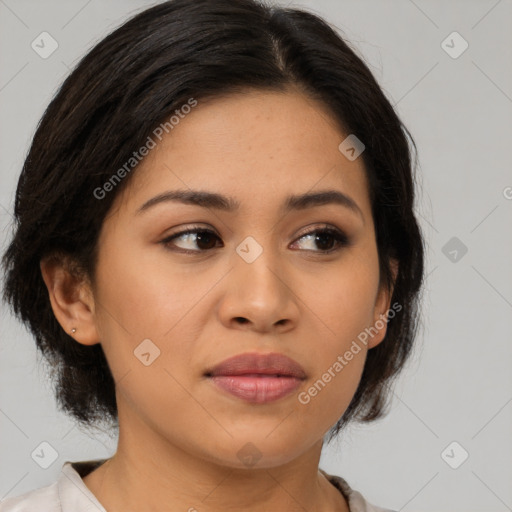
(326, 239)
(204, 239)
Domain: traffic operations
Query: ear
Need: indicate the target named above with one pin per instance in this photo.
(71, 298)
(382, 306)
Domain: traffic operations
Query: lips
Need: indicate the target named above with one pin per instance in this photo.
(259, 364)
(258, 378)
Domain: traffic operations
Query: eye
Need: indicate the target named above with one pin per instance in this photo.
(203, 238)
(327, 239)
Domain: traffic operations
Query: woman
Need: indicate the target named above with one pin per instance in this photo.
(216, 250)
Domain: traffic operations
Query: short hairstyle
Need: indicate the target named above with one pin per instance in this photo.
(125, 87)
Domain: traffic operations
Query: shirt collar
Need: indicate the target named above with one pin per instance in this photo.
(73, 493)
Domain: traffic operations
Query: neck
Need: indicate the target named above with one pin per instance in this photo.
(143, 476)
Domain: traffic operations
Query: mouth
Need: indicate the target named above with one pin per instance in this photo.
(257, 378)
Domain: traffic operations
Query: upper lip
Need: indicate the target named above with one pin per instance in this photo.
(255, 363)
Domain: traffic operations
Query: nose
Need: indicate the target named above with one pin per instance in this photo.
(259, 296)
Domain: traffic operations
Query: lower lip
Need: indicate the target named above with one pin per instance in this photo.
(257, 389)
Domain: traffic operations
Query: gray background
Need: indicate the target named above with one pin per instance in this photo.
(458, 386)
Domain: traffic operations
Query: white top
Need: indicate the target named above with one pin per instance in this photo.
(70, 494)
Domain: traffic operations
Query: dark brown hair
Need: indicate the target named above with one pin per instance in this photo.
(126, 86)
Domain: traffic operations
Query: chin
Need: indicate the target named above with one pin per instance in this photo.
(258, 451)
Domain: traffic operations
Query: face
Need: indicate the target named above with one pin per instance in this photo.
(261, 278)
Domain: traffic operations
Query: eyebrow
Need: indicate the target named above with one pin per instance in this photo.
(228, 204)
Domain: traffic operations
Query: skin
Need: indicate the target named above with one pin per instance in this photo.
(179, 434)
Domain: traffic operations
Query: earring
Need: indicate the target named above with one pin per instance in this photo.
(73, 330)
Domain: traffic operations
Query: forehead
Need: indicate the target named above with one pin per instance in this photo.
(257, 147)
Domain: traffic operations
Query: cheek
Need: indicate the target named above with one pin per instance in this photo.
(142, 309)
(343, 306)
(141, 294)
(344, 300)
(142, 297)
(330, 391)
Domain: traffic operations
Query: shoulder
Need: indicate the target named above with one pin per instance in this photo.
(355, 500)
(45, 498)
(67, 494)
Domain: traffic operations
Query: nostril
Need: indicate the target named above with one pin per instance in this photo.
(241, 319)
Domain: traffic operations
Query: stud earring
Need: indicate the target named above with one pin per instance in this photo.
(73, 330)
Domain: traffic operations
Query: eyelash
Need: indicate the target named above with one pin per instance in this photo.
(340, 237)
